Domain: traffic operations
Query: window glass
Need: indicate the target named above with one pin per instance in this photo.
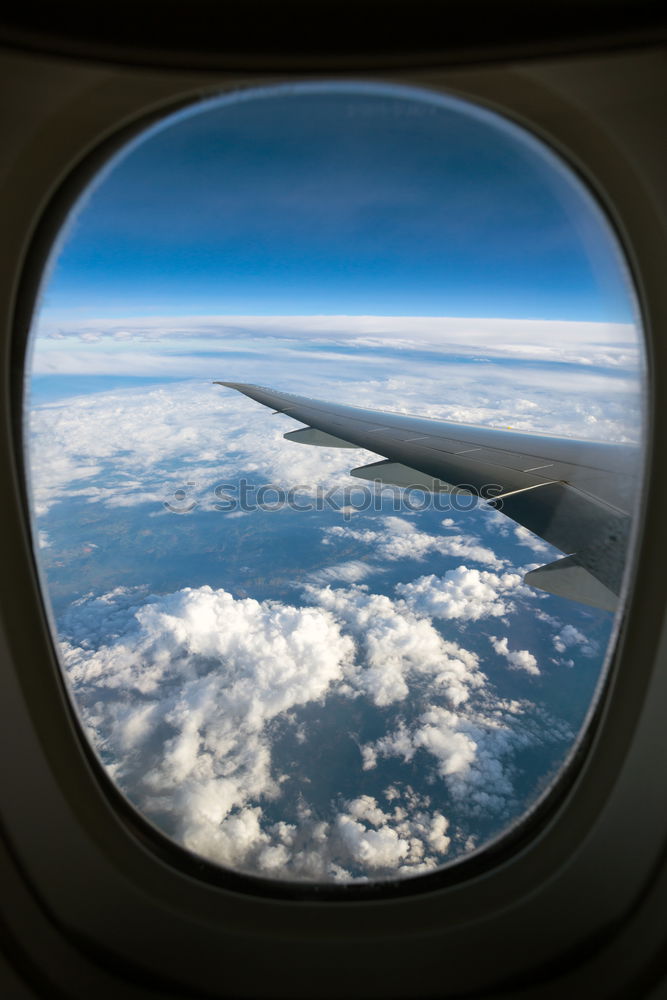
(292, 671)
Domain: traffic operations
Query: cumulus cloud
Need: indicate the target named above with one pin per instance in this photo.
(472, 751)
(193, 679)
(463, 593)
(180, 694)
(408, 839)
(517, 659)
(397, 647)
(394, 840)
(569, 636)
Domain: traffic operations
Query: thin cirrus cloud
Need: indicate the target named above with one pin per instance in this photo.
(153, 343)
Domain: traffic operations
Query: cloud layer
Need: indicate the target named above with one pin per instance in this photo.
(371, 720)
(613, 345)
(181, 695)
(128, 447)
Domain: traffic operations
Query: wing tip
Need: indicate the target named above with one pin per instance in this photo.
(570, 578)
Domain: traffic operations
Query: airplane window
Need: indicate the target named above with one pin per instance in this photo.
(335, 397)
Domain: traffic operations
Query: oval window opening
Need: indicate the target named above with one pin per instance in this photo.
(336, 401)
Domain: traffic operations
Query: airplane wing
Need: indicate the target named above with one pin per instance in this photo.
(577, 495)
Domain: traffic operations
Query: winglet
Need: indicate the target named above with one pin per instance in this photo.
(568, 577)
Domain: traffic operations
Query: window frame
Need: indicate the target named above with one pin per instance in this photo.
(103, 864)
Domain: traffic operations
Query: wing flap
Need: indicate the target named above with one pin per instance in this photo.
(574, 523)
(395, 474)
(320, 439)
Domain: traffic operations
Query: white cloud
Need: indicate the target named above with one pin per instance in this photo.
(179, 692)
(601, 344)
(463, 593)
(360, 837)
(274, 656)
(134, 446)
(534, 542)
(397, 648)
(569, 636)
(373, 849)
(351, 571)
(399, 538)
(405, 840)
(472, 751)
(126, 447)
(517, 659)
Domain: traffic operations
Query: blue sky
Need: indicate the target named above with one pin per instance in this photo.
(355, 200)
